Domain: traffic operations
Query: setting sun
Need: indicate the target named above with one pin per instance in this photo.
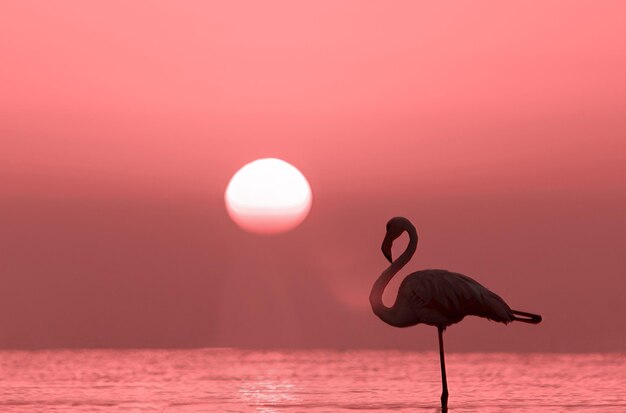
(268, 196)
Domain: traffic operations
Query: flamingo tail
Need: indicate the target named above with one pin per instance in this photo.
(526, 317)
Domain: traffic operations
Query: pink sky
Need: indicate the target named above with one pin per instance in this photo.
(499, 129)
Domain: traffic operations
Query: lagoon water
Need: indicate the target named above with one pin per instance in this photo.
(229, 380)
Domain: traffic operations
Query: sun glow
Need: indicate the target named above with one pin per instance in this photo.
(268, 196)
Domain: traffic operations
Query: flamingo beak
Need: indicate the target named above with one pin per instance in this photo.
(386, 248)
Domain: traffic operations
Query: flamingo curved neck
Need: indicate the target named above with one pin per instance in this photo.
(391, 315)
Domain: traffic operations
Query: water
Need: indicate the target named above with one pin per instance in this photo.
(227, 380)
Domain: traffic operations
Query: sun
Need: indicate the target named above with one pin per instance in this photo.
(268, 196)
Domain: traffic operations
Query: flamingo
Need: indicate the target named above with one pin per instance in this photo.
(437, 298)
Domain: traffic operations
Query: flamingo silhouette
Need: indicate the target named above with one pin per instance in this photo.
(438, 298)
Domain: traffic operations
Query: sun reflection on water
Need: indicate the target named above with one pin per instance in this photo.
(266, 395)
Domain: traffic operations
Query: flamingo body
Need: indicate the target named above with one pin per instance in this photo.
(441, 298)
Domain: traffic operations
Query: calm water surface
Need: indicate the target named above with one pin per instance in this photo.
(226, 380)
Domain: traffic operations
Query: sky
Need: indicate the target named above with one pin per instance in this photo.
(498, 128)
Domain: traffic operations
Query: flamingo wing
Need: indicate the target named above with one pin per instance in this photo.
(441, 298)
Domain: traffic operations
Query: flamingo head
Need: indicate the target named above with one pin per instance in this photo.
(395, 227)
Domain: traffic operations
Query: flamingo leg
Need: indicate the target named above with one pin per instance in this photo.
(444, 382)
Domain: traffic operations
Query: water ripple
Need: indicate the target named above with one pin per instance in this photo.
(228, 380)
